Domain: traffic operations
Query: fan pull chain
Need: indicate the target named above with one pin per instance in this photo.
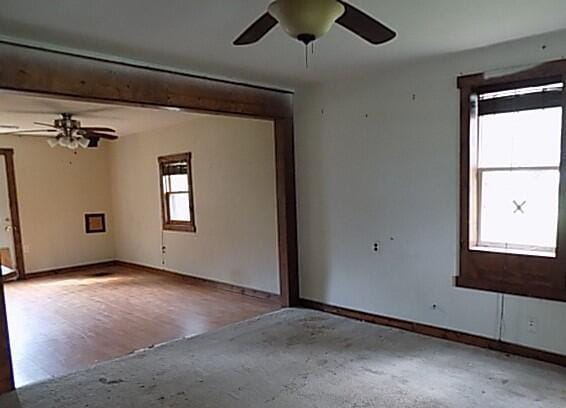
(307, 53)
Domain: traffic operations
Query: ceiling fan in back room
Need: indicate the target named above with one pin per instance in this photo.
(309, 20)
(67, 132)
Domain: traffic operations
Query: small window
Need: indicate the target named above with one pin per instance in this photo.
(512, 185)
(177, 192)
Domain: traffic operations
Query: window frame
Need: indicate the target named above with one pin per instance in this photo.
(167, 223)
(529, 275)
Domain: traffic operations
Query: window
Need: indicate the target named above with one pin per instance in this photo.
(511, 165)
(177, 192)
(517, 171)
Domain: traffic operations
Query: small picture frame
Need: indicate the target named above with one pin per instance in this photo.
(95, 223)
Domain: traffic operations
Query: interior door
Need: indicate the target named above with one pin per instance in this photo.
(7, 247)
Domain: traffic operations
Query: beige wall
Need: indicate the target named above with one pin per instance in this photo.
(55, 188)
(235, 203)
(234, 183)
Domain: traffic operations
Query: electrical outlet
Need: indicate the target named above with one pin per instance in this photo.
(377, 247)
(532, 323)
(26, 249)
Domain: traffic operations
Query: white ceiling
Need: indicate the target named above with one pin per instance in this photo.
(196, 35)
(22, 111)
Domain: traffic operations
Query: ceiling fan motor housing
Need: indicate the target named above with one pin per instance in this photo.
(67, 124)
(306, 20)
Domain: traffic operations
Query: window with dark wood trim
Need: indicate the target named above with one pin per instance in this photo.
(513, 183)
(176, 185)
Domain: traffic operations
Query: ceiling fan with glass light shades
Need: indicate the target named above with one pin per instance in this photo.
(68, 132)
(308, 20)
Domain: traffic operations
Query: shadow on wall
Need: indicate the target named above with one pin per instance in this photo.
(314, 211)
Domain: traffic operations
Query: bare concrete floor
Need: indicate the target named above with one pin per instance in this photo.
(298, 358)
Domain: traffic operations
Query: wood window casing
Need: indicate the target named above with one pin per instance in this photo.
(511, 273)
(170, 224)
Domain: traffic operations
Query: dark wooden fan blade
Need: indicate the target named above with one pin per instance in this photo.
(91, 135)
(364, 25)
(93, 142)
(257, 30)
(97, 129)
(43, 124)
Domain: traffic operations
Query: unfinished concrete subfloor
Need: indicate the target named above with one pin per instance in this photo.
(301, 358)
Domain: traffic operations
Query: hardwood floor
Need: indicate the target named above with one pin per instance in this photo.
(60, 324)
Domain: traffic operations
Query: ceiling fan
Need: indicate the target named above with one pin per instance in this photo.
(308, 20)
(68, 132)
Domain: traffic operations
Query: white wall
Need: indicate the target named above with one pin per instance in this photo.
(234, 196)
(55, 188)
(378, 159)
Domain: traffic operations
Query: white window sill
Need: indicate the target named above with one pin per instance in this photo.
(514, 251)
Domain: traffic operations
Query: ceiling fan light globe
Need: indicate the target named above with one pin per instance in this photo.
(306, 18)
(53, 142)
(73, 144)
(84, 142)
(64, 141)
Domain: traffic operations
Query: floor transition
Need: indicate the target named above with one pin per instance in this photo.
(300, 358)
(63, 323)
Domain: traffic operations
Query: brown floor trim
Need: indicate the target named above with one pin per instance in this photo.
(69, 269)
(446, 334)
(193, 280)
(198, 281)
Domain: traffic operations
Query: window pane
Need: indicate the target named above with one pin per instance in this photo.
(175, 183)
(525, 138)
(179, 182)
(179, 207)
(519, 208)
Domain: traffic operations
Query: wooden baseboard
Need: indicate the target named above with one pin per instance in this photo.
(446, 334)
(193, 280)
(9, 277)
(69, 269)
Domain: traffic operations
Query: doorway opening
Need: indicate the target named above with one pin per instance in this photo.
(102, 259)
(11, 256)
(56, 74)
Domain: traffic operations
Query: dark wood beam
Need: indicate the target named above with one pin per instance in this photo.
(286, 210)
(29, 69)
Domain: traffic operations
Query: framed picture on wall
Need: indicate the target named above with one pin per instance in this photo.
(95, 223)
